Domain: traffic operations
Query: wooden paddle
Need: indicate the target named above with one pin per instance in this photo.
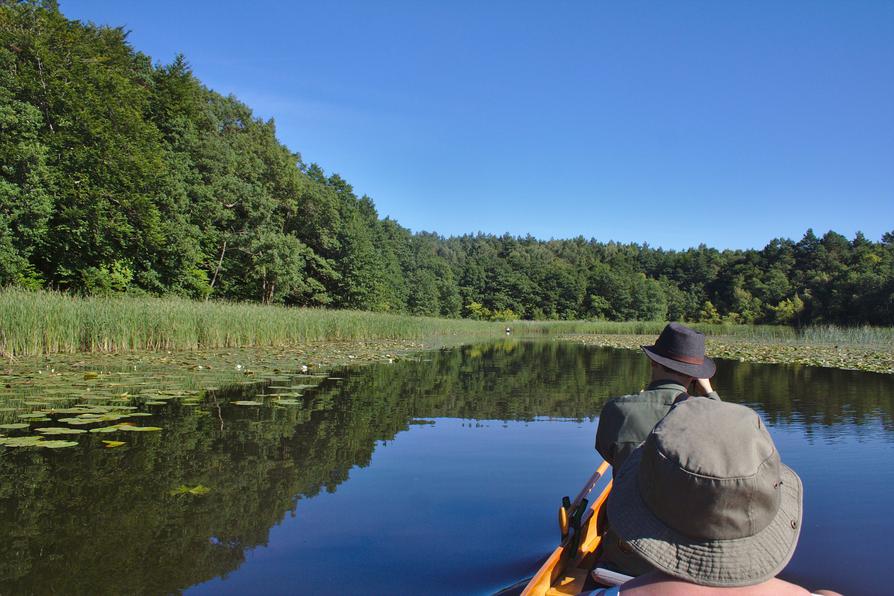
(569, 508)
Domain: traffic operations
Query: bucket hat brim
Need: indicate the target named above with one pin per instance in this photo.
(705, 370)
(719, 563)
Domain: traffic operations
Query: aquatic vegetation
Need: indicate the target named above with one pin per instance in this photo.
(870, 357)
(196, 491)
(247, 402)
(45, 322)
(59, 430)
(113, 444)
(142, 429)
(35, 441)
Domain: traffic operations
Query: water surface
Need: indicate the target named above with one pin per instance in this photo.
(435, 475)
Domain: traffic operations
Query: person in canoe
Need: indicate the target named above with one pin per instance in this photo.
(708, 503)
(679, 365)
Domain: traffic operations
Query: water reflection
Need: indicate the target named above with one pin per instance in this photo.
(104, 521)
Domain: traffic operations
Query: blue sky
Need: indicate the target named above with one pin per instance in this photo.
(672, 123)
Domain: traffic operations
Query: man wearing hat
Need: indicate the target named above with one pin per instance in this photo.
(708, 503)
(678, 359)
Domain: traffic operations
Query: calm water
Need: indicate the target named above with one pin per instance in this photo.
(440, 475)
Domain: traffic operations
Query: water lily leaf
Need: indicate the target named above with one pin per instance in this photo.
(245, 402)
(32, 415)
(21, 441)
(113, 444)
(105, 429)
(80, 421)
(143, 429)
(132, 414)
(90, 375)
(59, 430)
(155, 403)
(56, 444)
(288, 402)
(15, 425)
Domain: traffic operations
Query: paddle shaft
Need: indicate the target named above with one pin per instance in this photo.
(589, 485)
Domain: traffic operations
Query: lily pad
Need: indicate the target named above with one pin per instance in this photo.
(141, 429)
(59, 430)
(90, 375)
(15, 425)
(113, 444)
(288, 402)
(105, 429)
(57, 444)
(245, 402)
(21, 441)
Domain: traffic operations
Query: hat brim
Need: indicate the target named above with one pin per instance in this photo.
(720, 563)
(705, 370)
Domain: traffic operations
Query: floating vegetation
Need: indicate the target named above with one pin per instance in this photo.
(90, 375)
(21, 441)
(15, 426)
(105, 429)
(113, 444)
(246, 402)
(57, 444)
(852, 356)
(287, 402)
(141, 429)
(35, 441)
(196, 491)
(59, 430)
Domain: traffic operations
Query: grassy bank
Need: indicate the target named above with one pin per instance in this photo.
(33, 323)
(37, 323)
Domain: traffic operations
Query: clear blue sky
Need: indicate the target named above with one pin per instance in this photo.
(672, 123)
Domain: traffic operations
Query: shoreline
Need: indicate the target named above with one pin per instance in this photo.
(845, 357)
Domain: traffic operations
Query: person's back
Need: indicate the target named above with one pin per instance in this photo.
(677, 358)
(707, 502)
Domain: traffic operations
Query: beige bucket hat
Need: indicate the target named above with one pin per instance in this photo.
(706, 497)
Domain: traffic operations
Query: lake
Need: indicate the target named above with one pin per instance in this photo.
(435, 474)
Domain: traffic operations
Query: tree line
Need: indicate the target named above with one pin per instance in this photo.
(121, 175)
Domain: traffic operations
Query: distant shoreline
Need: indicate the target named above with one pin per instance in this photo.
(865, 358)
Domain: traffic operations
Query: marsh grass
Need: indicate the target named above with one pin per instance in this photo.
(34, 323)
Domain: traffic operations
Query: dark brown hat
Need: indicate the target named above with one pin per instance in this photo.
(682, 349)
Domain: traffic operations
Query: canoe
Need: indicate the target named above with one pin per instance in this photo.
(582, 524)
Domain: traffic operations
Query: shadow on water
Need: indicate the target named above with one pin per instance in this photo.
(110, 521)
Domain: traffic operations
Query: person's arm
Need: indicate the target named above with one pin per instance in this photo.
(703, 387)
(607, 433)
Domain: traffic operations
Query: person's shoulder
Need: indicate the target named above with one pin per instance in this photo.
(625, 400)
(659, 583)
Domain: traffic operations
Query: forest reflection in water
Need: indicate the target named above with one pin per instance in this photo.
(92, 520)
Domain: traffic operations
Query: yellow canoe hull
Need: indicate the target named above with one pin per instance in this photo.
(566, 570)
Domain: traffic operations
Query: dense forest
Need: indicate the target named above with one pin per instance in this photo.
(120, 175)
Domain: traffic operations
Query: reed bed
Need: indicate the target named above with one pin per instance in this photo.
(33, 323)
(42, 322)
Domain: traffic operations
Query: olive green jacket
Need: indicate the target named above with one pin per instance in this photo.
(626, 421)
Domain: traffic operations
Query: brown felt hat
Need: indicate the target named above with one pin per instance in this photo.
(706, 497)
(682, 349)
